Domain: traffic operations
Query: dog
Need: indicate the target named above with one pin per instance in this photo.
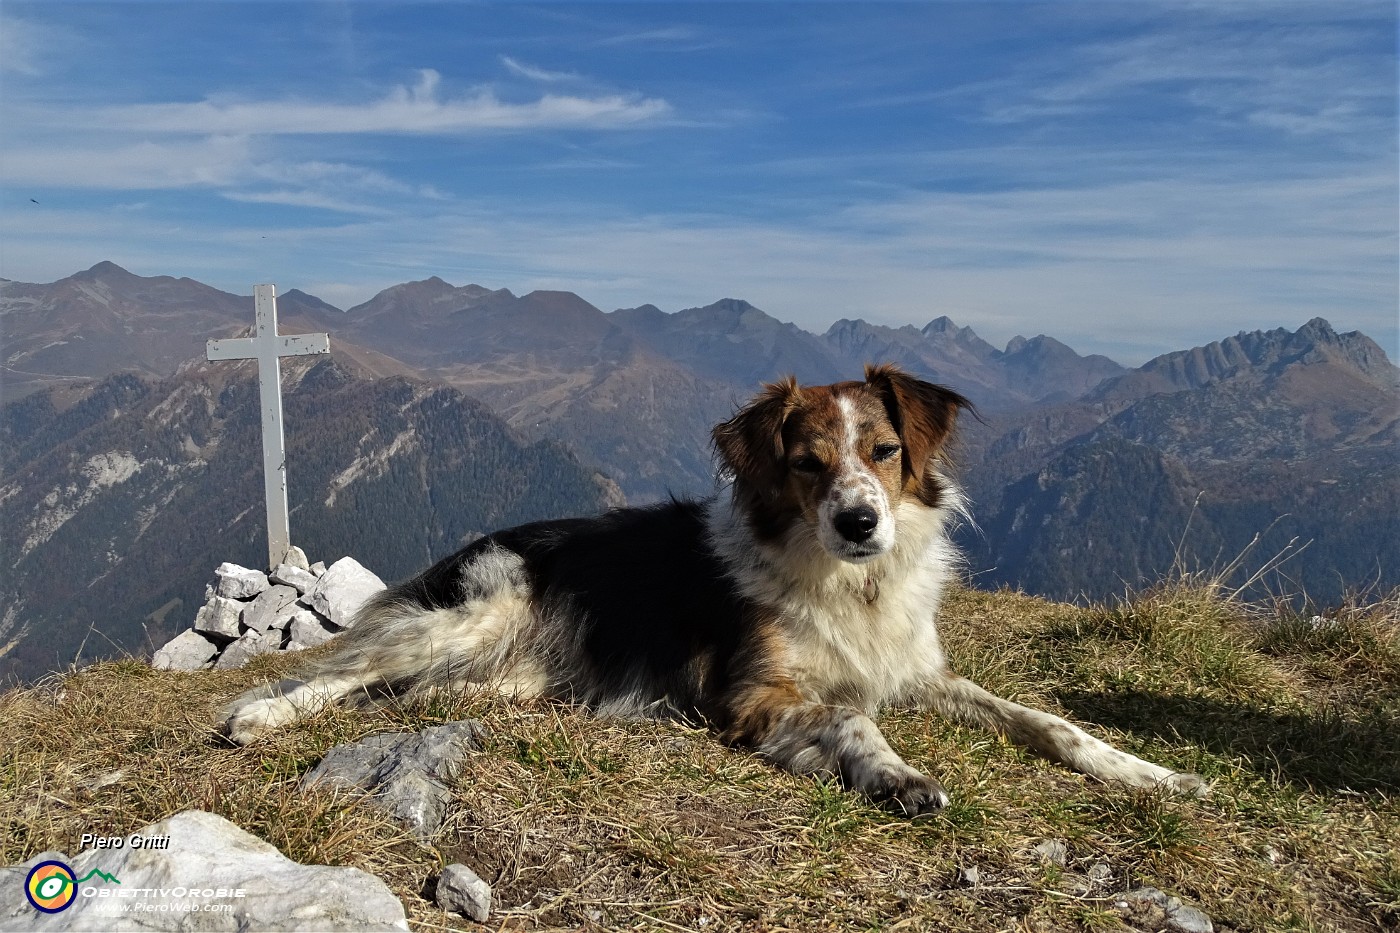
(783, 612)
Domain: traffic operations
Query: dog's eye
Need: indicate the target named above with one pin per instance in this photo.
(806, 464)
(885, 451)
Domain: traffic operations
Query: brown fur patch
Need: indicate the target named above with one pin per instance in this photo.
(751, 443)
(923, 413)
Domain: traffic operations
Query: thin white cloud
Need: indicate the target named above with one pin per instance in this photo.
(25, 46)
(1301, 80)
(404, 110)
(535, 73)
(306, 199)
(219, 160)
(662, 36)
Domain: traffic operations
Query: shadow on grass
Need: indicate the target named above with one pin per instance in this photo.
(1333, 749)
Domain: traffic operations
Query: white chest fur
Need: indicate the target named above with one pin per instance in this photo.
(857, 635)
(865, 640)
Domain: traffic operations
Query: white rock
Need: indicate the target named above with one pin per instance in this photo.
(1054, 851)
(188, 651)
(273, 608)
(343, 589)
(207, 861)
(237, 582)
(318, 568)
(303, 580)
(248, 647)
(307, 630)
(296, 557)
(219, 618)
(460, 889)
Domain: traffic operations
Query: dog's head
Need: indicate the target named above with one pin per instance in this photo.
(839, 458)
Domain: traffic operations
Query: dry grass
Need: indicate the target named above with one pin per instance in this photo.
(580, 822)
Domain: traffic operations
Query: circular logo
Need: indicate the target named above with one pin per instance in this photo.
(50, 887)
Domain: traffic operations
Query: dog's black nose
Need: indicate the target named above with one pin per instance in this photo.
(858, 524)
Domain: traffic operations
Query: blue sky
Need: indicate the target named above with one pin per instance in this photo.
(1131, 178)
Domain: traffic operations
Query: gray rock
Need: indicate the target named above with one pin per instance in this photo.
(303, 580)
(188, 651)
(1053, 851)
(208, 861)
(219, 619)
(296, 557)
(461, 890)
(1099, 873)
(272, 608)
(93, 783)
(405, 773)
(237, 582)
(343, 589)
(318, 568)
(1156, 909)
(971, 876)
(248, 647)
(307, 630)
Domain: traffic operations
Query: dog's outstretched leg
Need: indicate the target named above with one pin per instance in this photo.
(811, 738)
(960, 699)
(270, 706)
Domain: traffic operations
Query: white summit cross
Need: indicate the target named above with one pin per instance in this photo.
(268, 349)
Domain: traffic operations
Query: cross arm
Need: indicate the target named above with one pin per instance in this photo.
(303, 345)
(248, 348)
(232, 348)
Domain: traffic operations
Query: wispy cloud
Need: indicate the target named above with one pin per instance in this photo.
(534, 73)
(217, 160)
(417, 110)
(662, 35)
(1298, 79)
(310, 199)
(26, 46)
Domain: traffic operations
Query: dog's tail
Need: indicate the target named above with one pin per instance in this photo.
(398, 644)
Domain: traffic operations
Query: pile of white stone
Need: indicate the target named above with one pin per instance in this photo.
(248, 612)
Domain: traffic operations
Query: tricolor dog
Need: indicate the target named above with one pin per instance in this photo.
(784, 612)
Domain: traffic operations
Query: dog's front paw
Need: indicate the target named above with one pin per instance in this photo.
(909, 793)
(244, 722)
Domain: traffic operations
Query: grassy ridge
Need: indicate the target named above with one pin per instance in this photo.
(578, 821)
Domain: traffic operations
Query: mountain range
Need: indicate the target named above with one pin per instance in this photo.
(1087, 477)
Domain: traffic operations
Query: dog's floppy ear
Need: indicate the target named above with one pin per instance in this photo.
(922, 413)
(751, 443)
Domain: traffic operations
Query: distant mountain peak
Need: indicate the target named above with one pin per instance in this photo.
(946, 326)
(734, 307)
(105, 269)
(942, 324)
(1015, 345)
(1257, 355)
(297, 296)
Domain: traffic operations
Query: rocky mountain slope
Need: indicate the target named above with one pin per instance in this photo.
(1292, 436)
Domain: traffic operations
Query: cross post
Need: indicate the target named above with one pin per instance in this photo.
(268, 348)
